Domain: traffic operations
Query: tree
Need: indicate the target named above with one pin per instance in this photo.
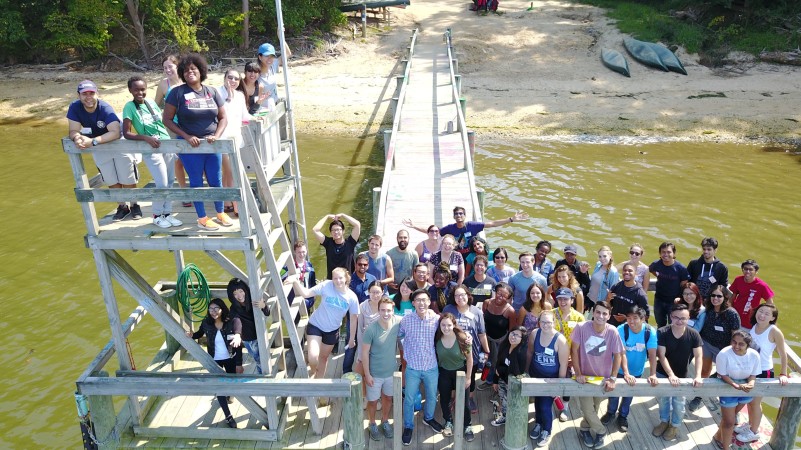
(133, 11)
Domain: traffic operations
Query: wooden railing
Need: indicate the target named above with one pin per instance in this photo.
(461, 126)
(389, 164)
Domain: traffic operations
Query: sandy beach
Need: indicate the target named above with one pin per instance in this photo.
(525, 73)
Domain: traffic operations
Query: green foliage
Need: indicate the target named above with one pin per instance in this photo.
(84, 27)
(176, 18)
(231, 28)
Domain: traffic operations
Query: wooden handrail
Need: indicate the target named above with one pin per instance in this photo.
(462, 126)
(390, 156)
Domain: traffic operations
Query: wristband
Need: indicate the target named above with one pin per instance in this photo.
(783, 375)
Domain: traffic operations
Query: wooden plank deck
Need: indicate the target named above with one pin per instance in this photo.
(696, 430)
(429, 177)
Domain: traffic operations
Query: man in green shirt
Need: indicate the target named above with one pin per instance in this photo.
(379, 349)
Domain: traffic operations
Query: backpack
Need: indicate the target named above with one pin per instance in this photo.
(626, 333)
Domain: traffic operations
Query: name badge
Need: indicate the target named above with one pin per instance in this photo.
(86, 130)
(427, 255)
(691, 323)
(571, 324)
(487, 286)
(712, 279)
(468, 315)
(507, 361)
(601, 349)
(718, 328)
(454, 267)
(549, 351)
(190, 96)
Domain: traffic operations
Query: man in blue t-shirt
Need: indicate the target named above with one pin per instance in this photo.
(93, 122)
(671, 276)
(639, 341)
(463, 230)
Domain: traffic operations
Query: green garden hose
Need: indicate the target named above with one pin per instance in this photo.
(193, 293)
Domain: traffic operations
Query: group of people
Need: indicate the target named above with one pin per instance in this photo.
(184, 108)
(444, 307)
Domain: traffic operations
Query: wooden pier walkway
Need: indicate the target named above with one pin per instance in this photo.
(197, 411)
(429, 168)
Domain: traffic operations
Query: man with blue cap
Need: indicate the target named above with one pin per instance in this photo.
(93, 122)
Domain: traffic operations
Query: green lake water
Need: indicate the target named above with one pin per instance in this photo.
(584, 194)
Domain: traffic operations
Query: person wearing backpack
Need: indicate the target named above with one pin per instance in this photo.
(639, 341)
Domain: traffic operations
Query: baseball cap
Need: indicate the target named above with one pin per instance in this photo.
(85, 86)
(571, 249)
(564, 292)
(266, 49)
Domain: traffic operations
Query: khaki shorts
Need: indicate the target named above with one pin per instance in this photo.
(119, 169)
(380, 386)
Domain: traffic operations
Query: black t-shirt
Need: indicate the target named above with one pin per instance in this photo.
(339, 255)
(480, 291)
(700, 272)
(678, 351)
(626, 298)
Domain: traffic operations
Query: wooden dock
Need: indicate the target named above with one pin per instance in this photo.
(203, 412)
(429, 167)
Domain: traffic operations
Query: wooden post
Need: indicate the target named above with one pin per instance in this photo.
(458, 412)
(463, 105)
(354, 416)
(458, 79)
(788, 420)
(471, 142)
(376, 202)
(101, 408)
(387, 140)
(397, 409)
(172, 344)
(480, 194)
(364, 19)
(516, 429)
(455, 63)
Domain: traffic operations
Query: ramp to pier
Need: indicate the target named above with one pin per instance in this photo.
(429, 168)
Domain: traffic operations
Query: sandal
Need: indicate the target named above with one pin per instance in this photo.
(718, 444)
(229, 208)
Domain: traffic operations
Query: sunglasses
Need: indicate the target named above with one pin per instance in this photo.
(633, 253)
(232, 78)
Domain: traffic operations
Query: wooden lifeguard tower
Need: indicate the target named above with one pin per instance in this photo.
(267, 187)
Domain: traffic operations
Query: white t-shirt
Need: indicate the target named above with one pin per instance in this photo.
(334, 305)
(738, 367)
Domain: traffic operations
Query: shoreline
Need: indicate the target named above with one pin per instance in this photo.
(537, 76)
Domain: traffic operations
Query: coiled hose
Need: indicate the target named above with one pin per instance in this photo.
(193, 292)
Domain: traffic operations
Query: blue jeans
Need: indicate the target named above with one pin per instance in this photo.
(253, 350)
(429, 378)
(625, 405)
(661, 313)
(198, 164)
(543, 412)
(671, 409)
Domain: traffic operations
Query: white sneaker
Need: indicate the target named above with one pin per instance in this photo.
(748, 436)
(545, 438)
(161, 222)
(742, 428)
(173, 221)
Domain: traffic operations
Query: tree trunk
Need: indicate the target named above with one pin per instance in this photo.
(246, 24)
(133, 11)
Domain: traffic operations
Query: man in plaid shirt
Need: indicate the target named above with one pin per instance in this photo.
(417, 336)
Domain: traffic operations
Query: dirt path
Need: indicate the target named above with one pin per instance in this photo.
(525, 73)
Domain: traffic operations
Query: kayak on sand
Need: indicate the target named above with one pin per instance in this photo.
(614, 60)
(642, 52)
(669, 59)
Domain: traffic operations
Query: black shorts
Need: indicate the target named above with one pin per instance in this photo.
(329, 337)
(766, 374)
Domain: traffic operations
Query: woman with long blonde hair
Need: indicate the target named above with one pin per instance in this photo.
(563, 277)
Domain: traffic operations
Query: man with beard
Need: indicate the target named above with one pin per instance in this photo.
(93, 122)
(625, 295)
(403, 260)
